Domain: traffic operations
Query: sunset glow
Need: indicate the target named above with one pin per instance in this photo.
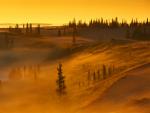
(61, 11)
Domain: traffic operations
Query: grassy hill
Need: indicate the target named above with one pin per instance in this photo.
(124, 90)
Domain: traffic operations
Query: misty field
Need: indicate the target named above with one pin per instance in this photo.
(78, 69)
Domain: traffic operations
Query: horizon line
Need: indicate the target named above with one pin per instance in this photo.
(77, 20)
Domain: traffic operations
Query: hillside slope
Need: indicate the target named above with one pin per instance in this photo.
(129, 94)
(127, 88)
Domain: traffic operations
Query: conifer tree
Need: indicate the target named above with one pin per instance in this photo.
(94, 76)
(27, 29)
(23, 26)
(17, 26)
(17, 29)
(89, 77)
(60, 81)
(38, 29)
(147, 21)
(104, 72)
(10, 29)
(30, 28)
(98, 74)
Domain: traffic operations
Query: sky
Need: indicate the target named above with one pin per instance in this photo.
(58, 12)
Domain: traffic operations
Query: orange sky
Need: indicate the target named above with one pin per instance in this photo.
(61, 11)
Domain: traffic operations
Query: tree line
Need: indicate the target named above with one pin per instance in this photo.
(92, 76)
(26, 29)
(134, 29)
(25, 72)
(102, 23)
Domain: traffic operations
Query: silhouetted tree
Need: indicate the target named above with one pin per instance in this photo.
(10, 28)
(23, 26)
(38, 30)
(17, 29)
(133, 30)
(114, 23)
(89, 76)
(17, 26)
(101, 23)
(30, 29)
(98, 74)
(94, 76)
(27, 29)
(104, 72)
(147, 22)
(60, 81)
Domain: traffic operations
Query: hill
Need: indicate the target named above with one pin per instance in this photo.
(126, 89)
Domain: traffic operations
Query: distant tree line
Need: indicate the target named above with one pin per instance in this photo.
(25, 72)
(92, 77)
(134, 29)
(101, 73)
(101, 23)
(26, 29)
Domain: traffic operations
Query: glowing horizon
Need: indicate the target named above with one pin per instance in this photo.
(61, 11)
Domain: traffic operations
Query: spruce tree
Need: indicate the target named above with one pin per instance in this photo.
(94, 76)
(23, 28)
(27, 29)
(38, 29)
(10, 28)
(89, 77)
(98, 74)
(30, 28)
(104, 72)
(147, 21)
(17, 29)
(60, 81)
